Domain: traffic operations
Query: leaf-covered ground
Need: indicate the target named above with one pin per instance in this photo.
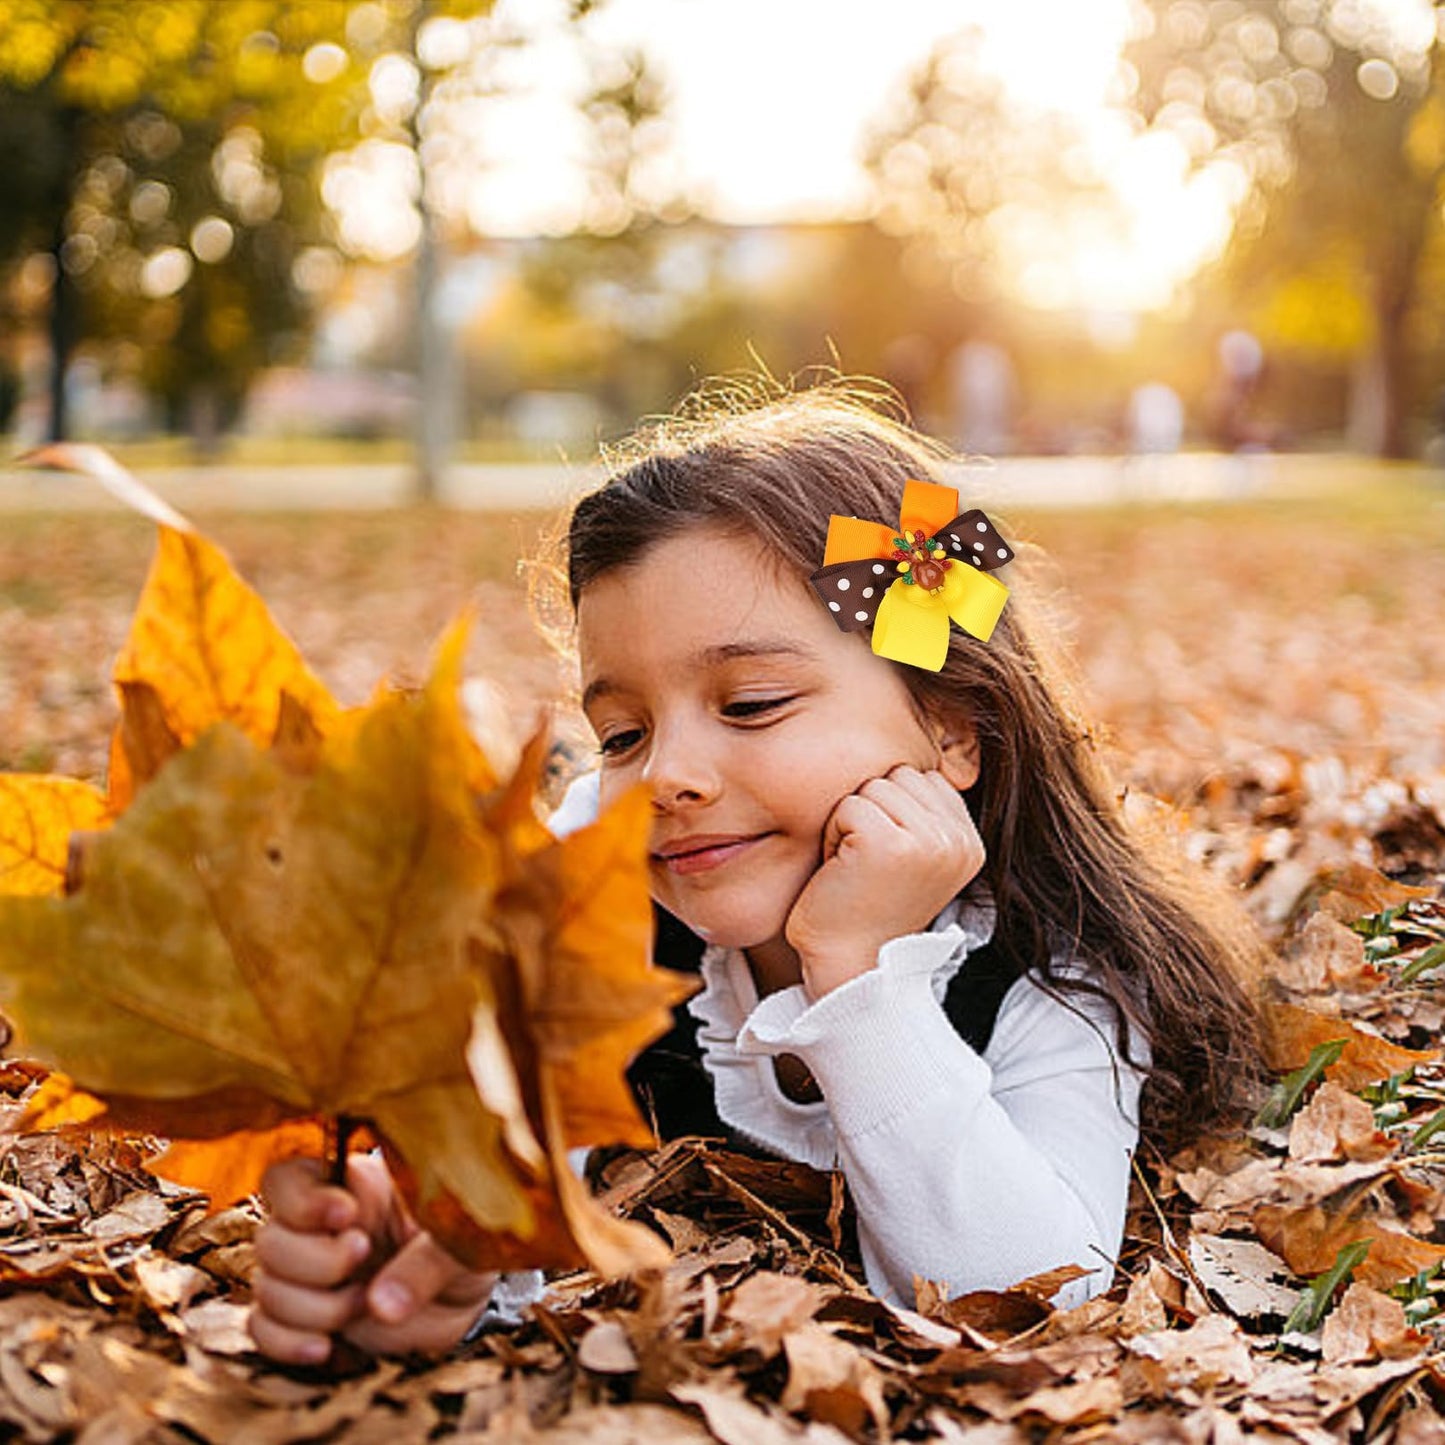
(1274, 673)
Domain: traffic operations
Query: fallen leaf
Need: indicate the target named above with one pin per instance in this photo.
(1337, 1124)
(138, 1216)
(168, 1283)
(1309, 1238)
(219, 1326)
(1368, 1325)
(1250, 1280)
(1082, 1402)
(734, 1420)
(1292, 1032)
(1326, 956)
(1143, 1308)
(829, 1380)
(767, 1306)
(1210, 1353)
(606, 1350)
(1357, 889)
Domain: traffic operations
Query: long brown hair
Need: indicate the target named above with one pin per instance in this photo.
(1174, 956)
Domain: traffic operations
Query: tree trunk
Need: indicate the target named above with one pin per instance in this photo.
(62, 326)
(1380, 390)
(434, 383)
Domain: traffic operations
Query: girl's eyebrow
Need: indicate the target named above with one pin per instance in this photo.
(712, 657)
(768, 647)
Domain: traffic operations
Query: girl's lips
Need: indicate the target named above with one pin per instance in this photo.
(705, 859)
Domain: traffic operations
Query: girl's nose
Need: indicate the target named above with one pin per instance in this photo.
(679, 772)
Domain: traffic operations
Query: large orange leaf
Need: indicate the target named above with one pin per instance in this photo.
(576, 999)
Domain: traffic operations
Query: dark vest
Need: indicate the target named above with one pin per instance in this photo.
(675, 1091)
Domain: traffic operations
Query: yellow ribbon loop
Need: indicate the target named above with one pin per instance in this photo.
(912, 624)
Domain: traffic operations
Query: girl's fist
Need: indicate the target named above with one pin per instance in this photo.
(353, 1261)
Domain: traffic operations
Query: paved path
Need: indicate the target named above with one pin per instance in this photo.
(1024, 482)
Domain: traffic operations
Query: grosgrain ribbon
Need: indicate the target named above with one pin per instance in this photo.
(909, 595)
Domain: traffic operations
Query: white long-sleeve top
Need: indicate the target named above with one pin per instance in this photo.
(970, 1170)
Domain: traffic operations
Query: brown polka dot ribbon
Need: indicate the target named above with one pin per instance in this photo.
(907, 584)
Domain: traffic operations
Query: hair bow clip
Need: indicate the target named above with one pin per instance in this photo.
(907, 584)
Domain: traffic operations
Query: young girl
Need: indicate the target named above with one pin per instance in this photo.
(930, 955)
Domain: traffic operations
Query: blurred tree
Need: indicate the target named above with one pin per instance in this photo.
(160, 152)
(976, 175)
(598, 309)
(1331, 113)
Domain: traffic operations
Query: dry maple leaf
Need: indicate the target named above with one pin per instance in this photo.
(255, 946)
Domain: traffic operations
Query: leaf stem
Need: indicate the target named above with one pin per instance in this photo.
(338, 1141)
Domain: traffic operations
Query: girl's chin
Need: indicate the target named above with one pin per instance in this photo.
(732, 932)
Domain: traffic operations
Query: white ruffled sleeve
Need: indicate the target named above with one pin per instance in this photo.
(579, 806)
(973, 1171)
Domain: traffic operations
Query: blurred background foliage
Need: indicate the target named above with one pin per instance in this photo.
(231, 218)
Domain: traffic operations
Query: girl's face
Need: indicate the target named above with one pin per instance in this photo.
(715, 677)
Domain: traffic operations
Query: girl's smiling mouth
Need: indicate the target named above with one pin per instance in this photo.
(703, 851)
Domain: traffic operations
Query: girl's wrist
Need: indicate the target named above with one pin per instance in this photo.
(823, 972)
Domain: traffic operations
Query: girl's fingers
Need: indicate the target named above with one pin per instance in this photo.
(902, 805)
(941, 807)
(853, 814)
(280, 1342)
(418, 1275)
(295, 1307)
(320, 1260)
(381, 1212)
(298, 1199)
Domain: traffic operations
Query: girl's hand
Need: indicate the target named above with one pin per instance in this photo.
(894, 852)
(353, 1261)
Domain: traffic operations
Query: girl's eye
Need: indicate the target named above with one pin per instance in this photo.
(618, 743)
(751, 707)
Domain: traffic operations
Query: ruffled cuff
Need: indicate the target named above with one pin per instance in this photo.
(879, 1043)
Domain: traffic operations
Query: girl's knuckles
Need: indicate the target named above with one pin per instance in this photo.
(326, 1260)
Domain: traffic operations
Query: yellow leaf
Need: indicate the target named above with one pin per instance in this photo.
(37, 816)
(203, 648)
(207, 646)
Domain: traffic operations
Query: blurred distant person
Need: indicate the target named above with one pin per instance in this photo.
(1237, 427)
(1156, 419)
(1154, 428)
(908, 364)
(1241, 365)
(984, 396)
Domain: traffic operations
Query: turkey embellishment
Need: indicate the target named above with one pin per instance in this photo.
(910, 584)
